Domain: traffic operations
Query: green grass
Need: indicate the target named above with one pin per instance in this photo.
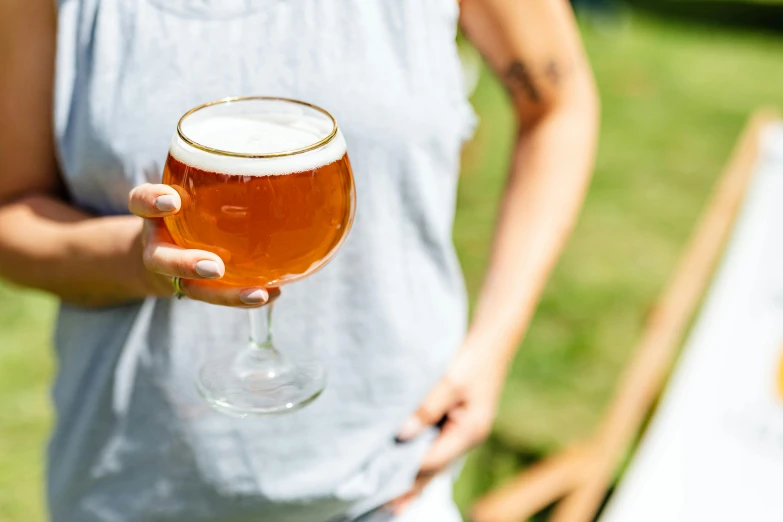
(674, 99)
(25, 415)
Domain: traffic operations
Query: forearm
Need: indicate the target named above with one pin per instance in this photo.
(549, 175)
(52, 246)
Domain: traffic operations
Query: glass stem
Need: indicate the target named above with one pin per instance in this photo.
(260, 357)
(261, 330)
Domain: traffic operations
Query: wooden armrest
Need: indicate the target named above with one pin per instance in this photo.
(539, 486)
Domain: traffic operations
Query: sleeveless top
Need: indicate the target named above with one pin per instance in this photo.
(133, 441)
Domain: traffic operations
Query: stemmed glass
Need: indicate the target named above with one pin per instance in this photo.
(266, 184)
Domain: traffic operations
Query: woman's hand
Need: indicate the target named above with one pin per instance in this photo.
(200, 270)
(463, 404)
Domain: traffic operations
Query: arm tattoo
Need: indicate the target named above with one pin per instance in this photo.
(518, 76)
(522, 78)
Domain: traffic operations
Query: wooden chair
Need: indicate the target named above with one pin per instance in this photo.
(579, 477)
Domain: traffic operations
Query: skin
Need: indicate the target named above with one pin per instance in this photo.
(47, 243)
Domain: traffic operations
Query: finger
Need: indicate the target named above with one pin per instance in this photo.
(151, 201)
(166, 258)
(156, 230)
(401, 503)
(442, 398)
(454, 440)
(422, 481)
(274, 293)
(214, 292)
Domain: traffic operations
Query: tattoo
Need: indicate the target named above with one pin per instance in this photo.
(518, 76)
(522, 78)
(553, 72)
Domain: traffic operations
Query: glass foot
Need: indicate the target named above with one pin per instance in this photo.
(259, 382)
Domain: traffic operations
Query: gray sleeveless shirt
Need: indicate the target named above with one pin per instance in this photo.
(133, 441)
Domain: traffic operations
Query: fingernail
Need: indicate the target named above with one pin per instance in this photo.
(410, 429)
(165, 203)
(208, 269)
(253, 296)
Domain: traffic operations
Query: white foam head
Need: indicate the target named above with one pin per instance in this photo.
(257, 133)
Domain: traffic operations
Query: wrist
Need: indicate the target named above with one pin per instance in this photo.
(498, 332)
(496, 349)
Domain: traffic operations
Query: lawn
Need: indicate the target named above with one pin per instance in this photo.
(674, 98)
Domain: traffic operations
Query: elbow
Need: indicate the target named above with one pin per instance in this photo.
(579, 103)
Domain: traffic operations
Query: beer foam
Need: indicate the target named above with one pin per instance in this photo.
(257, 134)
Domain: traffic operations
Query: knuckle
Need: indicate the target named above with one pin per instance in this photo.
(138, 192)
(148, 257)
(182, 267)
(430, 413)
(457, 387)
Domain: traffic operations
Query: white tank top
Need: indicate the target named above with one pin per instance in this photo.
(133, 441)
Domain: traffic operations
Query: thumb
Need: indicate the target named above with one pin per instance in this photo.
(437, 403)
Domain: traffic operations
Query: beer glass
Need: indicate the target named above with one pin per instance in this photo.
(265, 184)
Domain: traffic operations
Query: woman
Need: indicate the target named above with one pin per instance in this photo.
(133, 441)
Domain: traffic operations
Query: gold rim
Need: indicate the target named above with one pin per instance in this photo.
(233, 99)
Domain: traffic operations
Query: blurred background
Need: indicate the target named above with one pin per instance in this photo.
(677, 80)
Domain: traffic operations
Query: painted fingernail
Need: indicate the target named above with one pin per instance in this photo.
(410, 429)
(208, 269)
(253, 296)
(165, 203)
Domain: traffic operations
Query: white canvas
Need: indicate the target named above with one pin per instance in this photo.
(714, 450)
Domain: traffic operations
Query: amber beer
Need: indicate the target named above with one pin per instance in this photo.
(272, 221)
